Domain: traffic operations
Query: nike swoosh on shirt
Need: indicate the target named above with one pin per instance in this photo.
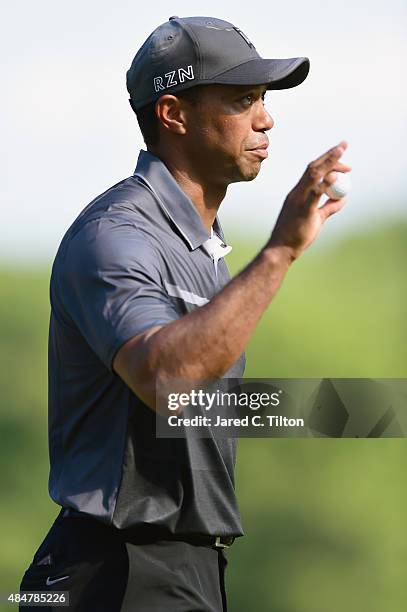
(54, 580)
(186, 296)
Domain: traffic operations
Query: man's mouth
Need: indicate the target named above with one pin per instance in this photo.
(260, 150)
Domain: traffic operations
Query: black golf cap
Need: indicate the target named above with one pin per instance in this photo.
(189, 51)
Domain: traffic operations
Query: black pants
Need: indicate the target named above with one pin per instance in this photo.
(103, 572)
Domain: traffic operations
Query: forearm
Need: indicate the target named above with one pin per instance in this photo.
(205, 343)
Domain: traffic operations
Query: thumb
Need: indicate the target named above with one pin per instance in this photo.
(331, 207)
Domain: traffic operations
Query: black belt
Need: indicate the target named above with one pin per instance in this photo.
(152, 533)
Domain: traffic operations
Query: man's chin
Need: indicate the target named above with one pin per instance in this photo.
(244, 173)
(250, 173)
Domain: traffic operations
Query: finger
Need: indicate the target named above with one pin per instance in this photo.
(331, 207)
(329, 179)
(314, 196)
(325, 162)
(317, 169)
(343, 145)
(340, 167)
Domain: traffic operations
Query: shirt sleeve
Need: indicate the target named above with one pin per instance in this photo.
(111, 286)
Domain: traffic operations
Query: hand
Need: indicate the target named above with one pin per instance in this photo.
(300, 219)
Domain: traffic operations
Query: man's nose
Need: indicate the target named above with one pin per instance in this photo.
(263, 120)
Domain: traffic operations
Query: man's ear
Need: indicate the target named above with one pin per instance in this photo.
(170, 111)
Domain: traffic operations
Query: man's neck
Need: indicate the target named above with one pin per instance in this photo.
(205, 196)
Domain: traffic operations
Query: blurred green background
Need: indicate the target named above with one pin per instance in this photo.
(324, 519)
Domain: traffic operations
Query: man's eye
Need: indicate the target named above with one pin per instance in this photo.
(248, 100)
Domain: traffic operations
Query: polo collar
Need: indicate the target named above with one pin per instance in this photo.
(175, 203)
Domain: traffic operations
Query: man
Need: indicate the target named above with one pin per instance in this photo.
(141, 296)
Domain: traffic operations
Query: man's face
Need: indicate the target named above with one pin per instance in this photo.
(226, 132)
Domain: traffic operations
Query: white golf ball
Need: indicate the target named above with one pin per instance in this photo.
(340, 187)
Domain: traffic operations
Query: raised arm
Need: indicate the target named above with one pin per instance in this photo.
(204, 344)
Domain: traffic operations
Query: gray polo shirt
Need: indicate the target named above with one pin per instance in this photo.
(137, 256)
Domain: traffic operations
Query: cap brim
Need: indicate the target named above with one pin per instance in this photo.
(276, 73)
